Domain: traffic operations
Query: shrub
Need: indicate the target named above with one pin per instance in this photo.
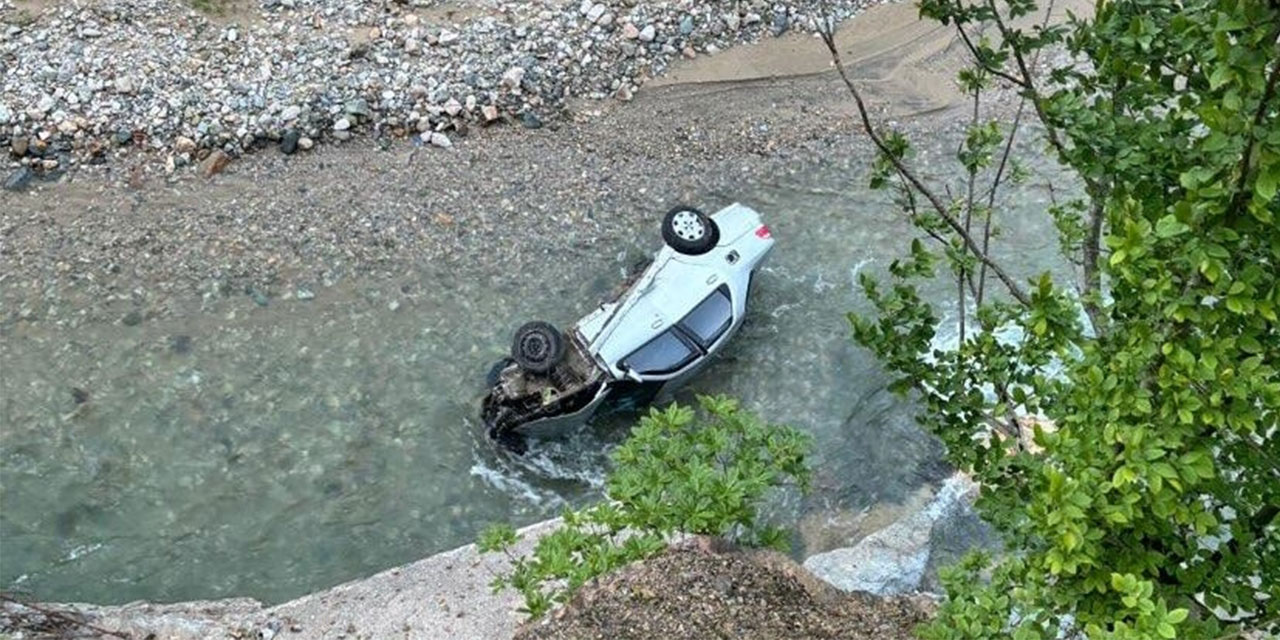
(676, 474)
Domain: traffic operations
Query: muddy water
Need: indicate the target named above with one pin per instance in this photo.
(270, 446)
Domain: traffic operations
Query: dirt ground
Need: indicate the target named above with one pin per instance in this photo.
(696, 594)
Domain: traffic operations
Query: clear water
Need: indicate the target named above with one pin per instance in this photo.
(267, 451)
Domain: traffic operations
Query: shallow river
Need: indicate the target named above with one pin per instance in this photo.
(270, 450)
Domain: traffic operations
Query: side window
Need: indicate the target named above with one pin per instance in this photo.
(663, 354)
(710, 319)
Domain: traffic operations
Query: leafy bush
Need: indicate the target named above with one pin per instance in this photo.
(1149, 510)
(674, 475)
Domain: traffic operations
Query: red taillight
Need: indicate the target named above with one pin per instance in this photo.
(763, 231)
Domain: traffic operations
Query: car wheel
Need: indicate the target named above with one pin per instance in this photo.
(689, 231)
(538, 347)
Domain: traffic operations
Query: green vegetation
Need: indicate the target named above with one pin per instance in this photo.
(674, 475)
(1146, 506)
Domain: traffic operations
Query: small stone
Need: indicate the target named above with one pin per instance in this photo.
(132, 319)
(394, 305)
(375, 33)
(5, 115)
(648, 33)
(686, 25)
(215, 163)
(513, 77)
(68, 127)
(290, 113)
(453, 107)
(18, 146)
(412, 45)
(596, 12)
(342, 124)
(19, 180)
(184, 144)
(124, 85)
(751, 18)
(689, 53)
(780, 23)
(441, 140)
(490, 113)
(624, 93)
(305, 143)
(122, 137)
(358, 107)
(605, 20)
(530, 120)
(259, 298)
(289, 142)
(304, 293)
(46, 103)
(447, 37)
(630, 32)
(49, 164)
(732, 20)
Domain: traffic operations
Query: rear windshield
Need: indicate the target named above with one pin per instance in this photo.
(710, 319)
(663, 354)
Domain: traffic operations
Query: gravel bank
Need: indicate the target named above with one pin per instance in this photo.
(82, 80)
(691, 593)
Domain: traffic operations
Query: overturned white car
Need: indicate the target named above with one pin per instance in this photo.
(642, 345)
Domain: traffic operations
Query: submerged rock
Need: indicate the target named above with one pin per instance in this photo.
(895, 559)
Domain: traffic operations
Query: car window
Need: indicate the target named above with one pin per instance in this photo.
(663, 354)
(709, 320)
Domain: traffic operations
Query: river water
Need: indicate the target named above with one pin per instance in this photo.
(270, 450)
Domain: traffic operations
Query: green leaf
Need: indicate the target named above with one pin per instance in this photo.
(1169, 226)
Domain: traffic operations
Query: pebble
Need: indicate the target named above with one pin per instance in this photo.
(630, 32)
(290, 113)
(184, 144)
(19, 180)
(686, 25)
(215, 163)
(440, 140)
(513, 77)
(18, 146)
(289, 142)
(648, 33)
(341, 124)
(306, 143)
(596, 12)
(530, 120)
(490, 113)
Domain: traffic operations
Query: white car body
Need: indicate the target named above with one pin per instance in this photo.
(650, 336)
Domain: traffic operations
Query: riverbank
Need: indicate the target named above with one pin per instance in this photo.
(203, 82)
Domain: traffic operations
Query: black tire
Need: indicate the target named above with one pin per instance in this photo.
(689, 231)
(537, 347)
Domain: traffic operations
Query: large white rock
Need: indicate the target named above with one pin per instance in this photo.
(893, 560)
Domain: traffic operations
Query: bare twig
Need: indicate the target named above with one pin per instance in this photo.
(828, 37)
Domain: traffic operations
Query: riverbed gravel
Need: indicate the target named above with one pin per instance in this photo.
(82, 81)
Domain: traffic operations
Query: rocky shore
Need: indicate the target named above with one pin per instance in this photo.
(80, 81)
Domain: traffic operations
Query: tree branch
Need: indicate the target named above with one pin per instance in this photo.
(1246, 160)
(828, 37)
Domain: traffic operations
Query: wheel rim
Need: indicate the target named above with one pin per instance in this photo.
(688, 226)
(535, 347)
